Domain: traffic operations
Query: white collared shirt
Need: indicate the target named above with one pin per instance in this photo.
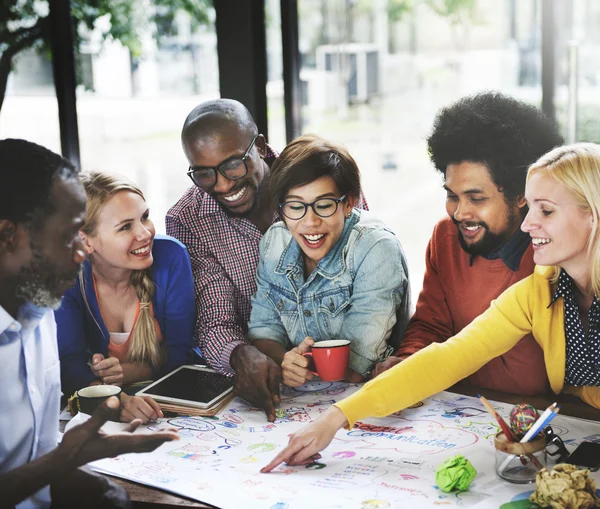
(30, 381)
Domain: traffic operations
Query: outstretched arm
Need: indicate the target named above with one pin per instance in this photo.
(431, 370)
(80, 445)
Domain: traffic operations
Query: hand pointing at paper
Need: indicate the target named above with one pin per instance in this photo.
(311, 439)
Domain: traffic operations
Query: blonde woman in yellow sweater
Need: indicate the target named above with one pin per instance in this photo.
(558, 304)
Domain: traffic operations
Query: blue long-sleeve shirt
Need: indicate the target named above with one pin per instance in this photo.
(82, 332)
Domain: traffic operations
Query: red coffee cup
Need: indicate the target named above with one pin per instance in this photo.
(331, 359)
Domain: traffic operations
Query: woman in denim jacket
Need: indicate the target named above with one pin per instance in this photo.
(327, 271)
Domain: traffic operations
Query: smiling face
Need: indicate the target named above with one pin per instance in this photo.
(124, 234)
(559, 229)
(484, 219)
(54, 252)
(238, 197)
(317, 235)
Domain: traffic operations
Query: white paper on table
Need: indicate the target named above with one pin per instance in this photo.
(385, 463)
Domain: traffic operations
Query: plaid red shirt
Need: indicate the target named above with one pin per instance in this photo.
(224, 254)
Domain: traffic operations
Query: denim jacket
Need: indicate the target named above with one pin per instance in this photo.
(358, 291)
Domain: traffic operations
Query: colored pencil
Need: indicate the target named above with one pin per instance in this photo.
(503, 426)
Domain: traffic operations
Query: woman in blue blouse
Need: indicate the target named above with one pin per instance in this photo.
(130, 316)
(328, 270)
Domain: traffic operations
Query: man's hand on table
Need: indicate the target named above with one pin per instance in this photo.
(257, 378)
(388, 363)
(86, 442)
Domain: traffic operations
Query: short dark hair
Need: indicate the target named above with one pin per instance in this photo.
(27, 173)
(496, 130)
(308, 158)
(217, 115)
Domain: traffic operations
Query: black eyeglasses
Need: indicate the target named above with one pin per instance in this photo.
(555, 446)
(323, 207)
(233, 168)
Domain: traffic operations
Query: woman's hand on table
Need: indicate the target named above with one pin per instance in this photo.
(139, 407)
(310, 440)
(294, 367)
(108, 370)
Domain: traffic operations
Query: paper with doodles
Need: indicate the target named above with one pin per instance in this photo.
(381, 463)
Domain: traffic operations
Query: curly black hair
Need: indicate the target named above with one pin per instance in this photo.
(27, 173)
(496, 130)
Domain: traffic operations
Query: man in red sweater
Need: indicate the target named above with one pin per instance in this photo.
(483, 146)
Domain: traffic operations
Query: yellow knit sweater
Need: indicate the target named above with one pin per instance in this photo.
(521, 309)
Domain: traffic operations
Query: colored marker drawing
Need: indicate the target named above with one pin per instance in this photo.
(485, 430)
(379, 464)
(418, 437)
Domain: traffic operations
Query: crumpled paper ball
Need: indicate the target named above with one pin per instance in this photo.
(565, 487)
(455, 473)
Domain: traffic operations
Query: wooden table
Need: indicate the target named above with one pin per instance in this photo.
(145, 497)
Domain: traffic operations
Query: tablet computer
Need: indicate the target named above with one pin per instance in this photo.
(195, 386)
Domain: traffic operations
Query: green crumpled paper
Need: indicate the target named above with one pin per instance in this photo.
(455, 473)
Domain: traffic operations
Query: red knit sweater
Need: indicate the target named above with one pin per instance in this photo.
(454, 294)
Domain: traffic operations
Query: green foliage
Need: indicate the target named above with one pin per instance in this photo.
(25, 24)
(588, 120)
(122, 17)
(588, 128)
(165, 11)
(127, 18)
(397, 9)
(455, 10)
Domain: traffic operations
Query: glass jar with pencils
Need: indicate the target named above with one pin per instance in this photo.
(519, 462)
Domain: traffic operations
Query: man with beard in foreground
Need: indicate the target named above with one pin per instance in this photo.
(482, 145)
(42, 208)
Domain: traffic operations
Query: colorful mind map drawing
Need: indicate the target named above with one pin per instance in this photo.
(380, 463)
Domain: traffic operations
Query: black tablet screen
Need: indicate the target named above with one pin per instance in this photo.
(192, 385)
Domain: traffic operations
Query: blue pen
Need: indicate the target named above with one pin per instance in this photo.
(545, 423)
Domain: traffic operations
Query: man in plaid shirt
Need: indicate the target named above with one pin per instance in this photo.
(221, 221)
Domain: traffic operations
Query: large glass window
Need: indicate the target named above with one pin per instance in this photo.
(30, 109)
(578, 55)
(275, 105)
(376, 71)
(132, 101)
(141, 67)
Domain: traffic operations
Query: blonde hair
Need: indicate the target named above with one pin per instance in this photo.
(577, 167)
(143, 345)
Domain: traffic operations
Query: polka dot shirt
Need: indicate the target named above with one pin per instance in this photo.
(583, 353)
